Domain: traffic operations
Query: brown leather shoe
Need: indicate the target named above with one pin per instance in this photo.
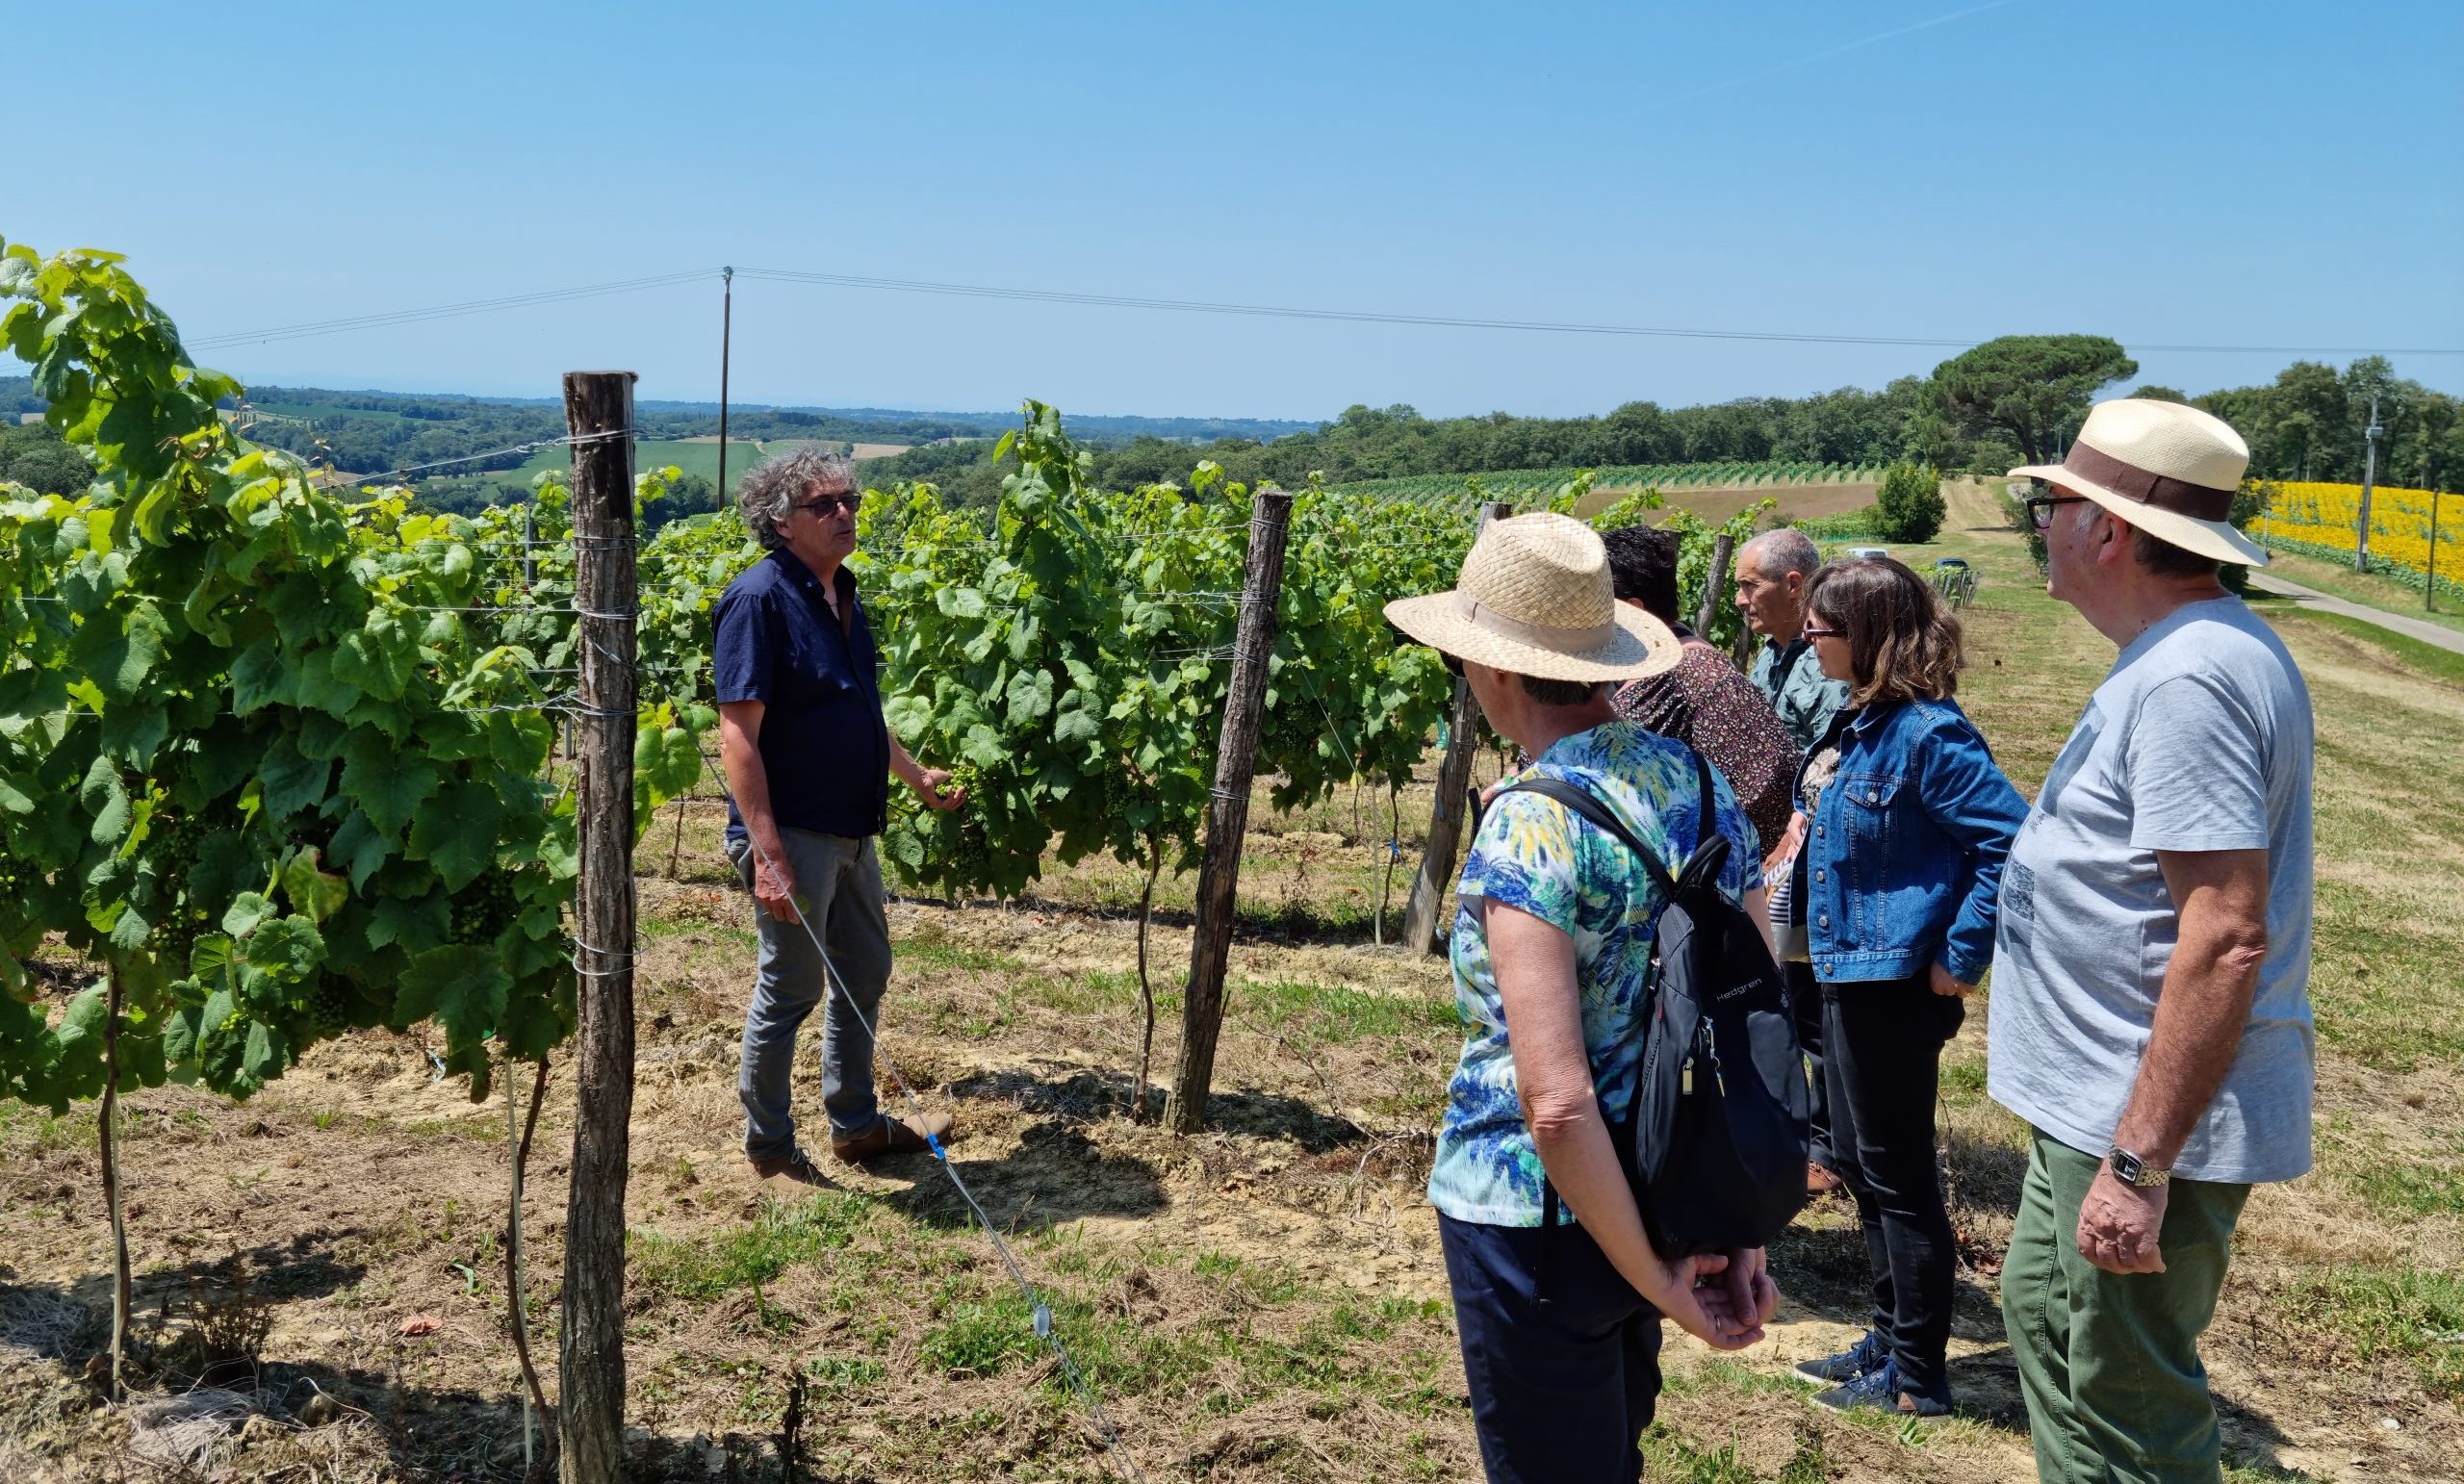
(1821, 1180)
(795, 1165)
(892, 1135)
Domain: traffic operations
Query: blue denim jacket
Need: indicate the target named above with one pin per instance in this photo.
(1903, 857)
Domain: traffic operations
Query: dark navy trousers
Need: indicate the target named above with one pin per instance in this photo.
(1561, 1389)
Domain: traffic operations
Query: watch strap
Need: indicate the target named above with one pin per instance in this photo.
(2132, 1170)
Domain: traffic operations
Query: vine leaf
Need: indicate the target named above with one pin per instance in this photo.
(417, 923)
(291, 782)
(460, 984)
(246, 910)
(118, 662)
(106, 799)
(458, 833)
(387, 783)
(316, 894)
(259, 679)
(286, 951)
(359, 849)
(378, 658)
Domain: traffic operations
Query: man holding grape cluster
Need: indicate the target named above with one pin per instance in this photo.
(808, 758)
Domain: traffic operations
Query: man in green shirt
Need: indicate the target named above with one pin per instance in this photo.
(1771, 575)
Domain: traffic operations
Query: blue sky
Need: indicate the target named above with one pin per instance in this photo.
(2202, 172)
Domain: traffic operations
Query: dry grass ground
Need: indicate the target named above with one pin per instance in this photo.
(1265, 1301)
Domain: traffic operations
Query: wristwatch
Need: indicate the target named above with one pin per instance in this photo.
(2132, 1170)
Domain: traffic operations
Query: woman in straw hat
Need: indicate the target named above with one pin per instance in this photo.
(1551, 947)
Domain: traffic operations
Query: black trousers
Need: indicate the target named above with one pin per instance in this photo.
(1804, 1003)
(1564, 1383)
(1883, 1051)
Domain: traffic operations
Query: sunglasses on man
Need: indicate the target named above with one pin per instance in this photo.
(825, 504)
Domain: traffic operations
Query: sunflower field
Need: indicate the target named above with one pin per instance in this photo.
(2319, 519)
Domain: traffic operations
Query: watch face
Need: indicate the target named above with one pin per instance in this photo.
(2126, 1166)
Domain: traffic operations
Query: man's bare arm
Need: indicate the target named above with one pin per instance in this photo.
(774, 880)
(2200, 1013)
(2223, 898)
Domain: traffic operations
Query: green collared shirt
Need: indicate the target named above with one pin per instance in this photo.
(1790, 678)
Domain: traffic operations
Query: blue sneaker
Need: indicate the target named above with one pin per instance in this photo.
(1867, 1355)
(1883, 1390)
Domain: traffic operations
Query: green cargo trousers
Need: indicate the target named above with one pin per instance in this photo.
(2109, 1361)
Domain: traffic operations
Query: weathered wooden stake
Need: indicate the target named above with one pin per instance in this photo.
(108, 1136)
(1446, 817)
(590, 1412)
(1227, 814)
(1722, 546)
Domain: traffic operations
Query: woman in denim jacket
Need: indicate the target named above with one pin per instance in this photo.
(1908, 822)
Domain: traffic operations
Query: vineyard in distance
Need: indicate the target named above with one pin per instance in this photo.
(289, 836)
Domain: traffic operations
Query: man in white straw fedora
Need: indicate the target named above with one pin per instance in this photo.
(2150, 1015)
(1551, 946)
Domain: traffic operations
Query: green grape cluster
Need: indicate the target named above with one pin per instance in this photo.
(177, 834)
(177, 839)
(484, 909)
(329, 1003)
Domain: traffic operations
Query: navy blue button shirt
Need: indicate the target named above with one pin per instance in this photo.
(823, 741)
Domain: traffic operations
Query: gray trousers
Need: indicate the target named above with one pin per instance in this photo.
(839, 882)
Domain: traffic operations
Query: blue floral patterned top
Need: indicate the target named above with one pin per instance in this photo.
(1532, 855)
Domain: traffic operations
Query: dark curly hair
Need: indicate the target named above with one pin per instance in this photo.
(1902, 644)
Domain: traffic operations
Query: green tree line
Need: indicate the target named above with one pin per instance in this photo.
(2013, 400)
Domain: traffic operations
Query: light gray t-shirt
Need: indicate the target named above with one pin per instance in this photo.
(2200, 739)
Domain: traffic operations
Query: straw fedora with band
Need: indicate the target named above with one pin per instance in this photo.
(1535, 597)
(2169, 470)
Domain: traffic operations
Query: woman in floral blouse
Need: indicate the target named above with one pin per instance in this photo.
(1552, 948)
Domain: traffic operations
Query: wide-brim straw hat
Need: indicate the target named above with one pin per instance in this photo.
(1535, 597)
(2169, 470)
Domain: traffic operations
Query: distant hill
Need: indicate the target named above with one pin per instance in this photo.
(374, 432)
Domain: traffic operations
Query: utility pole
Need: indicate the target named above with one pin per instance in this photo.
(2370, 437)
(727, 321)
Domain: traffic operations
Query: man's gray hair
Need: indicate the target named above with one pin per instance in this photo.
(770, 490)
(1784, 549)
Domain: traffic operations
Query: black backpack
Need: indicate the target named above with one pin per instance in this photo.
(1715, 1137)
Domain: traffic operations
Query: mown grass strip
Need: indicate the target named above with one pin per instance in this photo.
(2440, 666)
(2413, 1313)
(780, 1236)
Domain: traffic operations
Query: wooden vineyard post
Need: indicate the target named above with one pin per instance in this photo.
(1722, 546)
(590, 1411)
(1446, 817)
(1227, 812)
(107, 1135)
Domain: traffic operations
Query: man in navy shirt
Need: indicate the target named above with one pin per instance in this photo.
(809, 760)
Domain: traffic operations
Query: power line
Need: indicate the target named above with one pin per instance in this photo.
(1825, 56)
(402, 317)
(445, 311)
(1471, 322)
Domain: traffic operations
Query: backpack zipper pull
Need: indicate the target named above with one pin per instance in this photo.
(1685, 1077)
(1711, 1047)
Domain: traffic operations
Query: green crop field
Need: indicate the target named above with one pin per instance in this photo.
(692, 456)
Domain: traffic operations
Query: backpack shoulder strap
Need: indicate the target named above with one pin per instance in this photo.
(1707, 823)
(1581, 801)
